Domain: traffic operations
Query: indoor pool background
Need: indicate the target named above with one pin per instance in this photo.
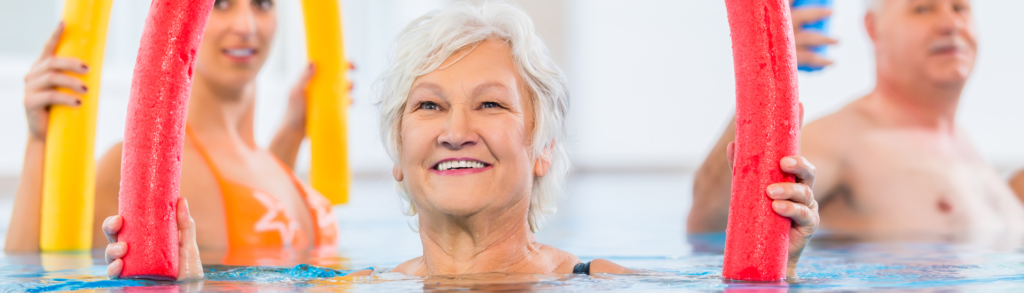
(634, 219)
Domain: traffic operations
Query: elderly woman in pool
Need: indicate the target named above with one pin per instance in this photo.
(472, 114)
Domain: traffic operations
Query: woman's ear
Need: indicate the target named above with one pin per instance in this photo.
(543, 162)
(397, 173)
(870, 25)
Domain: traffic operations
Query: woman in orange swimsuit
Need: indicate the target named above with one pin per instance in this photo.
(241, 196)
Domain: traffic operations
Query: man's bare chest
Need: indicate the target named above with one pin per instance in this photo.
(911, 183)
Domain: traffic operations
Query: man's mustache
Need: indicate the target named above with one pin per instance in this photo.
(947, 45)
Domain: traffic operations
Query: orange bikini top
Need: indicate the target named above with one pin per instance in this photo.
(257, 219)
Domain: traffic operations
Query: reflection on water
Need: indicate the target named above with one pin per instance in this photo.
(635, 220)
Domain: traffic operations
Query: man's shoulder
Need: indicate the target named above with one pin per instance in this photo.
(852, 116)
(838, 128)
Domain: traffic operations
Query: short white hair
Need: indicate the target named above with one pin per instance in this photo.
(428, 41)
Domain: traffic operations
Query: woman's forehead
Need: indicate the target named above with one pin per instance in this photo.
(486, 67)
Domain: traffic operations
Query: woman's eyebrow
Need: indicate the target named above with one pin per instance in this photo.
(480, 89)
(429, 86)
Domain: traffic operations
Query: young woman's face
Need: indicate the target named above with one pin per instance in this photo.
(236, 42)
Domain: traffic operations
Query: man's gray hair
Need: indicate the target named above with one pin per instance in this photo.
(431, 39)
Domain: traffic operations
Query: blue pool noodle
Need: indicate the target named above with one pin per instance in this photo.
(820, 26)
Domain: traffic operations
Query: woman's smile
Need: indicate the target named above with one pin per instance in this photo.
(459, 166)
(240, 54)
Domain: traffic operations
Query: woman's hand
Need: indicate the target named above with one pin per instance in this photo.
(189, 265)
(806, 40)
(295, 114)
(41, 83)
(794, 201)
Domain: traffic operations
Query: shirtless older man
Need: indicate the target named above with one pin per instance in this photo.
(893, 163)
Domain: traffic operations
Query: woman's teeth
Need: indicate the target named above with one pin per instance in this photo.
(240, 52)
(449, 165)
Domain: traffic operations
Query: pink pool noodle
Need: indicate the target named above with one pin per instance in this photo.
(767, 129)
(154, 136)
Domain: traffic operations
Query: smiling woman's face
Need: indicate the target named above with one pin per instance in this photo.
(465, 135)
(237, 41)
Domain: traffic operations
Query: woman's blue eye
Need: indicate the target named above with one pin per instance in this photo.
(490, 105)
(428, 106)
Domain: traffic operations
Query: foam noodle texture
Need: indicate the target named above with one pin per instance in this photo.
(154, 136)
(767, 129)
(328, 99)
(69, 168)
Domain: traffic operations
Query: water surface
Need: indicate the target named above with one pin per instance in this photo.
(635, 220)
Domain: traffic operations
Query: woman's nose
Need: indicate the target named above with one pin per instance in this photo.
(458, 132)
(244, 23)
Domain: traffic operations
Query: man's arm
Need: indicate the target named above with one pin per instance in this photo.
(712, 186)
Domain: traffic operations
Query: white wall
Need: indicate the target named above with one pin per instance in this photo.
(651, 80)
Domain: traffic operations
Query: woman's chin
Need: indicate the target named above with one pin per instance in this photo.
(235, 81)
(459, 206)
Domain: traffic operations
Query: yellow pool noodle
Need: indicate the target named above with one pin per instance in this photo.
(69, 168)
(327, 96)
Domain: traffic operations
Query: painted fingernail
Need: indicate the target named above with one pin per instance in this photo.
(788, 162)
(85, 68)
(85, 88)
(78, 102)
(775, 190)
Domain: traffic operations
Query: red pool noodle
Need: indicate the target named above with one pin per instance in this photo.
(767, 129)
(154, 136)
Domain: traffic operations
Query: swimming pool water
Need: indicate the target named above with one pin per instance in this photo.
(635, 220)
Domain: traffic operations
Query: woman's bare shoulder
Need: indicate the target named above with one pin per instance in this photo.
(412, 267)
(604, 266)
(567, 263)
(563, 261)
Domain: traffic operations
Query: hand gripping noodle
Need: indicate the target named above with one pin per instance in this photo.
(69, 166)
(328, 100)
(154, 136)
(767, 129)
